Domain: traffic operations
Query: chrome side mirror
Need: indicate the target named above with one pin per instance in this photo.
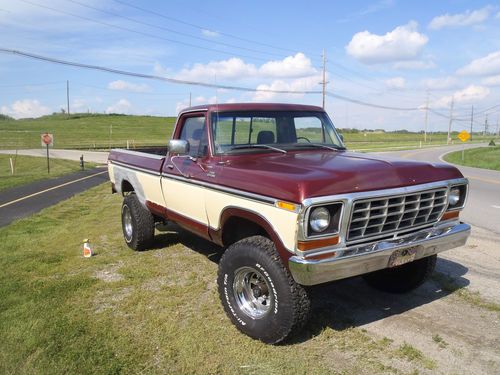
(178, 146)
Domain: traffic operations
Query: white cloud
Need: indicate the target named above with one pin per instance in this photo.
(232, 68)
(235, 68)
(121, 106)
(461, 19)
(128, 86)
(203, 100)
(491, 81)
(397, 83)
(299, 84)
(402, 43)
(472, 93)
(210, 33)
(25, 108)
(290, 67)
(442, 83)
(483, 66)
(179, 106)
(414, 65)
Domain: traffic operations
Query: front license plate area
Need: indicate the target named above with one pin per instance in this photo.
(402, 256)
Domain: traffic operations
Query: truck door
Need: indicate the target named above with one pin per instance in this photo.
(183, 175)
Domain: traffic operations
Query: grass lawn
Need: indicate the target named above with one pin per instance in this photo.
(155, 311)
(482, 157)
(90, 131)
(29, 169)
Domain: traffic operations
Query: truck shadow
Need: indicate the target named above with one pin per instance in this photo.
(347, 303)
(351, 303)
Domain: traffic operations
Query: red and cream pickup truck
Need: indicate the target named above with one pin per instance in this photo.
(274, 186)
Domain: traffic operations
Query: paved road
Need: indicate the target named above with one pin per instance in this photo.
(91, 156)
(25, 200)
(483, 206)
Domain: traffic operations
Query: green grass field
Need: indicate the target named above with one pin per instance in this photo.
(30, 169)
(87, 131)
(482, 157)
(148, 312)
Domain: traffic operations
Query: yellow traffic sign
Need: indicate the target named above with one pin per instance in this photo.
(464, 135)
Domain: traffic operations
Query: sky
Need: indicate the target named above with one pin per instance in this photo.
(388, 53)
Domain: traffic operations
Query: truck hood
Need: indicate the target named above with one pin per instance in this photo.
(296, 176)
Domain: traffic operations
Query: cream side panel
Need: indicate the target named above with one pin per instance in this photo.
(284, 222)
(110, 173)
(146, 186)
(186, 199)
(152, 187)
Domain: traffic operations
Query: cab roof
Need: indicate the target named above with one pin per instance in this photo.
(228, 107)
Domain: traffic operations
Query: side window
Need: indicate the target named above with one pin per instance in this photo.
(194, 132)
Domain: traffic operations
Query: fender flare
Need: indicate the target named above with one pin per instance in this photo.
(230, 212)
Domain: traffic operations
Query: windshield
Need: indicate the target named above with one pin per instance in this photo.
(235, 132)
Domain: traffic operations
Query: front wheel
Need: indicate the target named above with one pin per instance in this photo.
(258, 293)
(403, 278)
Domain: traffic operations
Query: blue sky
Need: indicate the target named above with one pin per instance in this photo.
(389, 52)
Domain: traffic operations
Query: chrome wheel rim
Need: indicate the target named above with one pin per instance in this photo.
(127, 223)
(252, 292)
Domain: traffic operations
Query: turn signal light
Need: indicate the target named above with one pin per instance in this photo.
(316, 244)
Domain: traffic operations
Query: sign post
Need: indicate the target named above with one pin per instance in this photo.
(47, 140)
(464, 137)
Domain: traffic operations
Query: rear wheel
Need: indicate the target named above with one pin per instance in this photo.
(258, 293)
(403, 278)
(137, 224)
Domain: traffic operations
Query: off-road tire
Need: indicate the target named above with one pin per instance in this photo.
(140, 235)
(288, 302)
(403, 278)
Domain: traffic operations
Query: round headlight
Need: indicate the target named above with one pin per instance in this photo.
(454, 196)
(319, 219)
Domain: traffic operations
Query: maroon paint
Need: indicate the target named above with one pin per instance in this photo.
(137, 160)
(298, 175)
(255, 218)
(191, 225)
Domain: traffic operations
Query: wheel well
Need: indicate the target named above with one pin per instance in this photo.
(237, 228)
(127, 187)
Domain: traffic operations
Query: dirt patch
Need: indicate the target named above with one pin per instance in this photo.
(110, 273)
(449, 325)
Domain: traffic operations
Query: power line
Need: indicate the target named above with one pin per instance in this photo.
(141, 32)
(196, 83)
(201, 28)
(171, 30)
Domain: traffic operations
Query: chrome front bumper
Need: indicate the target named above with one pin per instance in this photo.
(360, 259)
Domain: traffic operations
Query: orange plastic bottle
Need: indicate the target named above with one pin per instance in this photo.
(87, 250)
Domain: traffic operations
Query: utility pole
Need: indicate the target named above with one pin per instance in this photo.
(190, 99)
(324, 82)
(67, 95)
(471, 120)
(497, 125)
(451, 119)
(426, 116)
(485, 126)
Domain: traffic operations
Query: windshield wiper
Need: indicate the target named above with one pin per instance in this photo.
(239, 147)
(319, 145)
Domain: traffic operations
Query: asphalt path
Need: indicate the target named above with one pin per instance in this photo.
(482, 209)
(483, 205)
(25, 200)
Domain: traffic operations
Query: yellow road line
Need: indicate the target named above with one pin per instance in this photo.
(52, 188)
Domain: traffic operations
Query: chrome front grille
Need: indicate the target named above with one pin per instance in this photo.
(379, 216)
